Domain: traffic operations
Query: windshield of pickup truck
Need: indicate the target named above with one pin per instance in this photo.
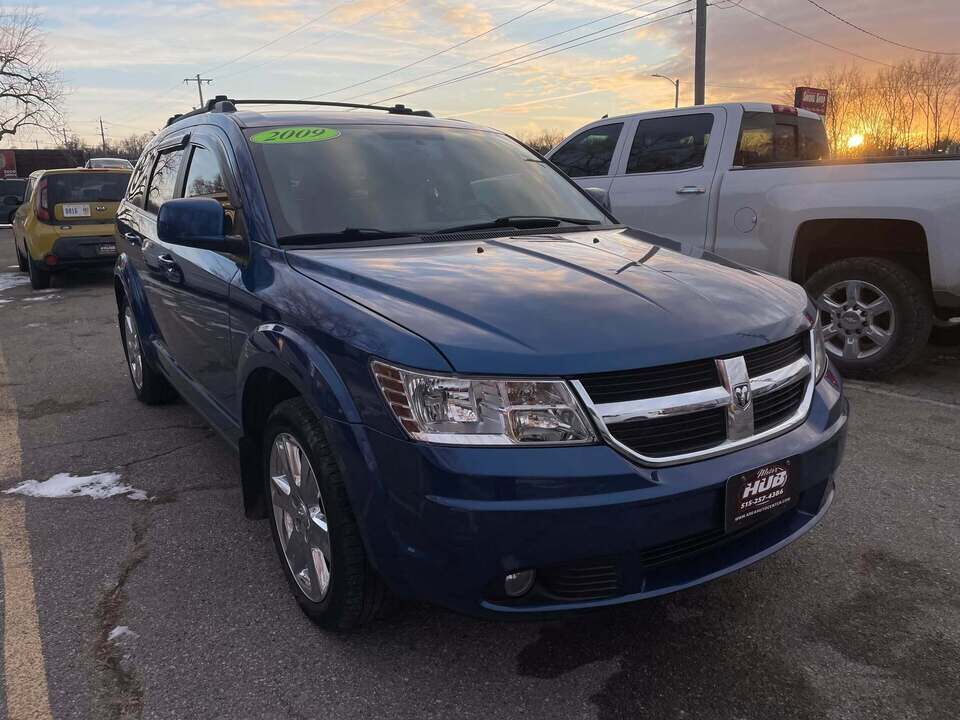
(327, 184)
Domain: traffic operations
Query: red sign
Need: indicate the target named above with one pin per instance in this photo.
(813, 99)
(8, 164)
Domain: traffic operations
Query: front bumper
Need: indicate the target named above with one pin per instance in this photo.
(445, 524)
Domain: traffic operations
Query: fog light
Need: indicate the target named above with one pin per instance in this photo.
(51, 259)
(519, 583)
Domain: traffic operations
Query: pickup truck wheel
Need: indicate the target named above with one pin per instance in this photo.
(149, 385)
(314, 528)
(876, 315)
(945, 334)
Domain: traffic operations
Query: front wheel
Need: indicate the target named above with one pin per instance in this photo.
(314, 528)
(876, 315)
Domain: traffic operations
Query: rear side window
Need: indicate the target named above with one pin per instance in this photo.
(590, 153)
(774, 137)
(86, 186)
(163, 182)
(137, 189)
(670, 143)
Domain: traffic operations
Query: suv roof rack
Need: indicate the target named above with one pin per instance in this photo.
(223, 104)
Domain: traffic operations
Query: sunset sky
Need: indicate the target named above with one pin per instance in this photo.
(126, 60)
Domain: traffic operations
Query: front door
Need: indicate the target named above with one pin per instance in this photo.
(664, 181)
(189, 287)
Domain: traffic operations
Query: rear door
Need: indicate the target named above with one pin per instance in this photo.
(664, 181)
(590, 156)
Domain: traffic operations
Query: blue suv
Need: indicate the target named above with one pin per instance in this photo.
(452, 376)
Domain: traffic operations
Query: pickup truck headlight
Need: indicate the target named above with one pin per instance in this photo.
(482, 411)
(819, 351)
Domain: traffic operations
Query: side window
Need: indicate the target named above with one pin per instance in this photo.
(590, 153)
(205, 179)
(163, 182)
(137, 188)
(670, 143)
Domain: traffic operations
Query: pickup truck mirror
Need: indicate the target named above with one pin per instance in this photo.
(600, 195)
(197, 222)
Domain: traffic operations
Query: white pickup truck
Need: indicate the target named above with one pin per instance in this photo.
(876, 242)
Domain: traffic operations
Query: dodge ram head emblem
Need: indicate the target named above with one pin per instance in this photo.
(741, 395)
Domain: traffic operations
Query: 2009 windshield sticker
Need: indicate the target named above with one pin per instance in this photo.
(279, 136)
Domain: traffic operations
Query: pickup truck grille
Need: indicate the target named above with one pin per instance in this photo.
(685, 411)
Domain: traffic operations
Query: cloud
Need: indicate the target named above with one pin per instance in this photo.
(465, 18)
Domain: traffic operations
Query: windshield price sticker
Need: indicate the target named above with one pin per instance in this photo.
(279, 136)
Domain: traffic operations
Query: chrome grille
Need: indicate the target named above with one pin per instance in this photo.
(748, 398)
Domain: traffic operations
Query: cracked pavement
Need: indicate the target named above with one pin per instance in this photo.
(861, 619)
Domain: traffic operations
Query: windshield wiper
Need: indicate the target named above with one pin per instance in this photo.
(347, 234)
(519, 222)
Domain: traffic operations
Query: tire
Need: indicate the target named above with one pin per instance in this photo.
(39, 279)
(903, 328)
(21, 262)
(946, 334)
(354, 594)
(150, 387)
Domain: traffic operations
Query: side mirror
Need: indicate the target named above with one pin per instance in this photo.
(600, 195)
(197, 222)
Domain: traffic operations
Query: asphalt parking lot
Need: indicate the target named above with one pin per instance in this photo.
(176, 607)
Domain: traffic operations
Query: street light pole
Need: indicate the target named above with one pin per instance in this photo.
(676, 88)
(700, 53)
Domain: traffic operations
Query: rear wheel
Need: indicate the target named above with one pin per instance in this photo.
(39, 279)
(876, 315)
(21, 261)
(149, 385)
(314, 528)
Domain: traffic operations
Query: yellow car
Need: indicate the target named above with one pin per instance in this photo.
(66, 221)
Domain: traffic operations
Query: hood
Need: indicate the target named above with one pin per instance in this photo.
(563, 304)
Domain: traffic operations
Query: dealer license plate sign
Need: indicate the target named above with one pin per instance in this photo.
(75, 210)
(107, 249)
(759, 494)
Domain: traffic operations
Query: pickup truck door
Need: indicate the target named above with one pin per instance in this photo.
(590, 157)
(666, 174)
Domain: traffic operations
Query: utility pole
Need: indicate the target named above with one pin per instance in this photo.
(676, 88)
(700, 55)
(199, 81)
(103, 137)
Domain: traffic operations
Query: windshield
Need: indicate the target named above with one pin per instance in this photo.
(405, 180)
(87, 186)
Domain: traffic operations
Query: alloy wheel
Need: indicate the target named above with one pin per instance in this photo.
(134, 354)
(299, 516)
(858, 319)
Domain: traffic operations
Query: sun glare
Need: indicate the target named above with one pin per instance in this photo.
(855, 141)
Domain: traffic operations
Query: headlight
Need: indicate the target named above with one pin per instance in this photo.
(482, 411)
(819, 350)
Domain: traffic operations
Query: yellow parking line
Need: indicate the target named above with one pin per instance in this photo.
(26, 678)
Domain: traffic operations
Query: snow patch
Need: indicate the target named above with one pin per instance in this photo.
(12, 280)
(35, 298)
(63, 485)
(121, 632)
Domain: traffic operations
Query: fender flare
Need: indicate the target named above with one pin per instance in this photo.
(133, 292)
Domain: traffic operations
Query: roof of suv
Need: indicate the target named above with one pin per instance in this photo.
(251, 118)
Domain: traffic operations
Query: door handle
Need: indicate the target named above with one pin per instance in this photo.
(691, 190)
(167, 262)
(132, 237)
(170, 268)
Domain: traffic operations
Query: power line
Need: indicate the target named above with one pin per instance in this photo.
(363, 19)
(508, 50)
(277, 39)
(876, 35)
(436, 54)
(809, 37)
(539, 54)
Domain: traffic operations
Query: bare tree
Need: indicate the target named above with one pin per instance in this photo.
(31, 90)
(542, 141)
